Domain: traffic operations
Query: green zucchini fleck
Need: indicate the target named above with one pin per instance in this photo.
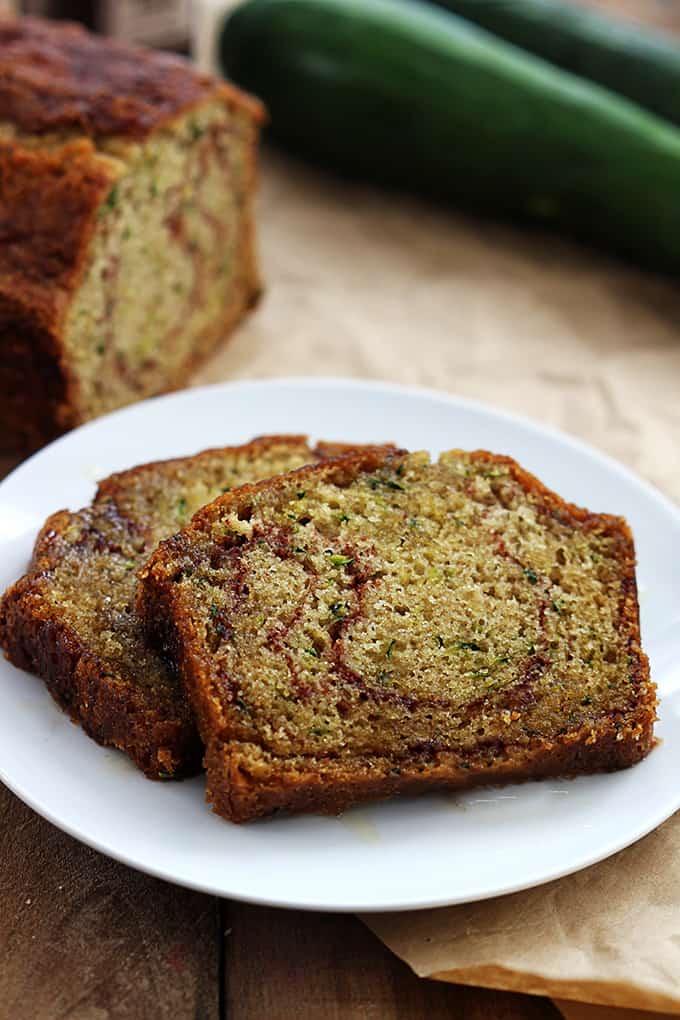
(341, 561)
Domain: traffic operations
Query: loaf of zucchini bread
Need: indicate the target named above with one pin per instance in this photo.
(72, 618)
(126, 223)
(381, 624)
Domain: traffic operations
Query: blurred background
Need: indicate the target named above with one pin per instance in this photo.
(164, 23)
(185, 24)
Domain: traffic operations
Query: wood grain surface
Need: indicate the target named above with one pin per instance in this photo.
(86, 938)
(329, 967)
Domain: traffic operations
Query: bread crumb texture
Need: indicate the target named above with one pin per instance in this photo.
(72, 617)
(351, 625)
(167, 258)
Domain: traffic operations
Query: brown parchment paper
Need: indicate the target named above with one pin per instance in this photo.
(383, 287)
(377, 286)
(609, 934)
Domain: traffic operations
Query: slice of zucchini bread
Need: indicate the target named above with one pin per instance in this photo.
(71, 619)
(126, 224)
(381, 625)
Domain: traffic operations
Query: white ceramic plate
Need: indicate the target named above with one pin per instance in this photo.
(401, 855)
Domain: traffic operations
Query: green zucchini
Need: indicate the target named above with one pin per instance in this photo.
(629, 59)
(407, 94)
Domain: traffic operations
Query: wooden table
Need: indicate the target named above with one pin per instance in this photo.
(85, 938)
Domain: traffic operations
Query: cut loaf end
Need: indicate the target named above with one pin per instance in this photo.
(126, 186)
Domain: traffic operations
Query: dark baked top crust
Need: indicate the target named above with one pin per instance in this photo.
(58, 77)
(40, 256)
(75, 110)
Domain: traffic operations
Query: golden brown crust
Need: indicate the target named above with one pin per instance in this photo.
(329, 787)
(111, 487)
(57, 77)
(246, 781)
(161, 740)
(41, 255)
(41, 259)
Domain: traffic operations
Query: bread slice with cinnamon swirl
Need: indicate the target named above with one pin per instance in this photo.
(381, 624)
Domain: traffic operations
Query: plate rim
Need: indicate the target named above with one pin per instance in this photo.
(613, 846)
(384, 385)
